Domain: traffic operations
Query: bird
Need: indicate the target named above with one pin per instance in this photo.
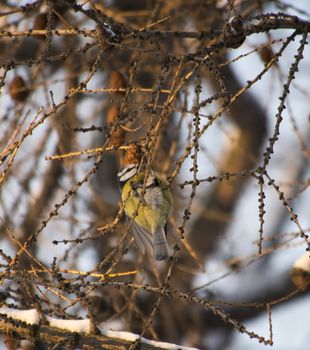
(147, 201)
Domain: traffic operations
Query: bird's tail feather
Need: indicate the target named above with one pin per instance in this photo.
(160, 245)
(143, 238)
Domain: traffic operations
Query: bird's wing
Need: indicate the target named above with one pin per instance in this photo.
(143, 238)
(160, 243)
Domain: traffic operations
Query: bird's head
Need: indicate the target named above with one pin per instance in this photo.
(127, 173)
(131, 163)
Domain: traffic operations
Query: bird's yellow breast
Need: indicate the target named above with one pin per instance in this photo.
(153, 203)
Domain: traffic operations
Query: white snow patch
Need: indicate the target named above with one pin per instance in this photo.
(132, 337)
(303, 263)
(29, 316)
(80, 326)
(118, 334)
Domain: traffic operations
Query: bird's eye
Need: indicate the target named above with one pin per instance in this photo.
(140, 184)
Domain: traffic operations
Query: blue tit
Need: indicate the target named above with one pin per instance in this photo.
(151, 209)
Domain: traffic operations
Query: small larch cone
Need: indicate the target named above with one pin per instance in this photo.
(300, 278)
(11, 343)
(266, 54)
(117, 81)
(133, 154)
(118, 135)
(233, 33)
(18, 89)
(301, 272)
(40, 21)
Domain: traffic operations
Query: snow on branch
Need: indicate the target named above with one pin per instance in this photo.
(80, 331)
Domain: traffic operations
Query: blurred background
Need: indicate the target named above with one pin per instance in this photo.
(208, 101)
